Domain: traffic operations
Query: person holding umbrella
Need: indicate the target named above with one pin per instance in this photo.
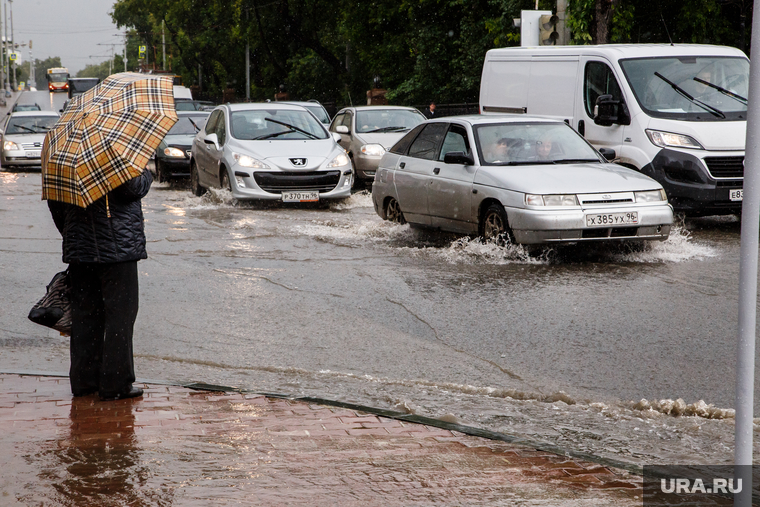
(94, 177)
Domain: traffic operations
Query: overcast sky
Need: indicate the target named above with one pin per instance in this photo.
(79, 31)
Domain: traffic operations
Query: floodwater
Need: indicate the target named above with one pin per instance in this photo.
(625, 353)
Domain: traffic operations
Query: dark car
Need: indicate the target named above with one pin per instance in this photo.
(79, 85)
(193, 105)
(25, 107)
(173, 154)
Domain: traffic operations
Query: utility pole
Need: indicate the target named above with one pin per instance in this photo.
(163, 44)
(13, 45)
(7, 82)
(2, 59)
(247, 62)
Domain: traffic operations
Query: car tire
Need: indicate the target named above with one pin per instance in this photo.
(195, 184)
(224, 179)
(393, 212)
(160, 177)
(494, 225)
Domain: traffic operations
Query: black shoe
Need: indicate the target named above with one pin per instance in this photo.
(133, 392)
(85, 392)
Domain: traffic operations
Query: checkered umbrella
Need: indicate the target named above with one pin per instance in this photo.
(106, 136)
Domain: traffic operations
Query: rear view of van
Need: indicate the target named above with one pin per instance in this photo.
(677, 113)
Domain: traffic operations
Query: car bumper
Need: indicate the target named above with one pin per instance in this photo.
(174, 167)
(531, 226)
(19, 158)
(692, 187)
(365, 167)
(245, 187)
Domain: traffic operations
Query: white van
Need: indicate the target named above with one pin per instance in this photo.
(677, 113)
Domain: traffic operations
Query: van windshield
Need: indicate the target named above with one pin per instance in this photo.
(693, 88)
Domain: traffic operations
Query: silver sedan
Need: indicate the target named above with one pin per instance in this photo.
(269, 152)
(526, 180)
(22, 136)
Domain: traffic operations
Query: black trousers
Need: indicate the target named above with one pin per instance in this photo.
(104, 301)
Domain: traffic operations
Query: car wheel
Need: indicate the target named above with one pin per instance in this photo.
(195, 183)
(393, 212)
(224, 180)
(160, 177)
(494, 225)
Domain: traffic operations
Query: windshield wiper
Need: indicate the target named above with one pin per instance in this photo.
(197, 128)
(389, 129)
(528, 162)
(722, 90)
(296, 129)
(575, 160)
(32, 130)
(678, 89)
(276, 134)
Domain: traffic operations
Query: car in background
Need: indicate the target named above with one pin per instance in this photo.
(367, 132)
(193, 105)
(25, 107)
(315, 108)
(527, 179)
(172, 158)
(269, 151)
(22, 136)
(79, 85)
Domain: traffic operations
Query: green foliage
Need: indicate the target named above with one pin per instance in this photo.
(331, 50)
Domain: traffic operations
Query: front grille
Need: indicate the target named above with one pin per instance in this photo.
(275, 182)
(31, 146)
(725, 167)
(608, 201)
(729, 184)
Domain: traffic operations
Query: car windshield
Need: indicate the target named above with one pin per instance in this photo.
(26, 107)
(275, 124)
(387, 120)
(319, 112)
(695, 88)
(184, 125)
(30, 124)
(532, 143)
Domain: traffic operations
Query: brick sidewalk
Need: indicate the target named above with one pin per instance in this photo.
(177, 446)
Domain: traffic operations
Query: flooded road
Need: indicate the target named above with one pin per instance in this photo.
(624, 353)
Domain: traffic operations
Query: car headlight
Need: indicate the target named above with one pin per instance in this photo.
(651, 196)
(246, 161)
(551, 200)
(339, 161)
(373, 150)
(10, 145)
(174, 152)
(668, 139)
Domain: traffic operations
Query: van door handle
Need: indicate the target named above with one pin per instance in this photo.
(402, 165)
(582, 128)
(436, 170)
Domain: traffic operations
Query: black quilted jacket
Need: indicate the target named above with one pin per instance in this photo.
(90, 235)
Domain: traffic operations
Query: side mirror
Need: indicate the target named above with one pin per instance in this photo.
(608, 153)
(336, 136)
(458, 157)
(609, 111)
(212, 139)
(342, 129)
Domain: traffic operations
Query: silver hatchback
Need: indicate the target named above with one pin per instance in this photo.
(528, 179)
(269, 151)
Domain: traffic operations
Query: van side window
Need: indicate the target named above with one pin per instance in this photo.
(455, 140)
(599, 80)
(427, 143)
(403, 143)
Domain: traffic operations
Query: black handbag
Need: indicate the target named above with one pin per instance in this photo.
(54, 309)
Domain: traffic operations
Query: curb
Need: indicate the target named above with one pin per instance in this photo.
(390, 414)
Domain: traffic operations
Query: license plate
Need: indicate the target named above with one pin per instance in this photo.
(300, 196)
(612, 219)
(33, 154)
(736, 194)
